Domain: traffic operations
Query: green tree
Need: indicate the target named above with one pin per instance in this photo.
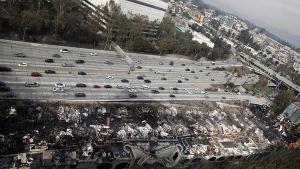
(282, 100)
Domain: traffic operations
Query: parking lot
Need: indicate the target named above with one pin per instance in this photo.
(107, 68)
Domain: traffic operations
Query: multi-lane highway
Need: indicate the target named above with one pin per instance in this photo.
(107, 63)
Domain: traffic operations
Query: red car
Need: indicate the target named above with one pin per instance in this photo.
(36, 74)
(96, 86)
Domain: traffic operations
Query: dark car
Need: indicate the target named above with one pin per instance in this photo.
(163, 78)
(139, 67)
(140, 77)
(96, 86)
(183, 64)
(32, 84)
(5, 69)
(21, 55)
(49, 60)
(154, 91)
(179, 81)
(109, 62)
(212, 79)
(80, 61)
(107, 86)
(56, 56)
(80, 85)
(200, 70)
(192, 71)
(132, 95)
(196, 77)
(124, 81)
(36, 74)
(172, 95)
(2, 83)
(4, 89)
(10, 94)
(175, 88)
(50, 71)
(161, 88)
(187, 70)
(186, 79)
(80, 94)
(147, 81)
(171, 63)
(82, 73)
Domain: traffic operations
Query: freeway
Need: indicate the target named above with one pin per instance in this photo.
(107, 63)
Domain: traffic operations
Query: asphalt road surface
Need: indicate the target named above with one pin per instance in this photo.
(97, 69)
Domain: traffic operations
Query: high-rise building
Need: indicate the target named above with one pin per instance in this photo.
(153, 9)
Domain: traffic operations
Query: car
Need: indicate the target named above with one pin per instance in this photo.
(207, 67)
(120, 87)
(175, 92)
(172, 95)
(130, 87)
(109, 63)
(212, 79)
(107, 86)
(163, 78)
(2, 83)
(132, 95)
(182, 64)
(32, 84)
(223, 97)
(125, 81)
(64, 51)
(56, 56)
(131, 90)
(175, 88)
(157, 72)
(60, 85)
(179, 81)
(21, 55)
(23, 64)
(96, 86)
(67, 65)
(80, 94)
(147, 81)
(50, 72)
(202, 92)
(93, 54)
(200, 70)
(161, 88)
(5, 69)
(186, 79)
(80, 85)
(58, 90)
(187, 70)
(196, 77)
(171, 63)
(80, 61)
(109, 77)
(169, 70)
(49, 60)
(139, 67)
(81, 55)
(36, 74)
(4, 89)
(155, 91)
(192, 71)
(144, 87)
(10, 94)
(161, 63)
(140, 77)
(82, 73)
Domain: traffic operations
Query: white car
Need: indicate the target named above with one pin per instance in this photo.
(93, 54)
(130, 87)
(64, 51)
(109, 77)
(23, 64)
(58, 90)
(144, 87)
(60, 85)
(157, 72)
(202, 92)
(132, 91)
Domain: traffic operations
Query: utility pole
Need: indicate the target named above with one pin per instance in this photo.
(24, 32)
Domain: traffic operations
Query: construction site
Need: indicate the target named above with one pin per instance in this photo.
(128, 135)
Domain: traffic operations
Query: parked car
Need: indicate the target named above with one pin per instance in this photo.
(80, 94)
(80, 61)
(67, 65)
(4, 89)
(49, 60)
(32, 84)
(64, 51)
(124, 81)
(147, 81)
(21, 55)
(50, 71)
(80, 85)
(36, 74)
(60, 85)
(107, 86)
(82, 73)
(23, 64)
(56, 56)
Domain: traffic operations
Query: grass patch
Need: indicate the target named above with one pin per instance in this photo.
(258, 89)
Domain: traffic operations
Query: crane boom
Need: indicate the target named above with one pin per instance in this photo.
(126, 58)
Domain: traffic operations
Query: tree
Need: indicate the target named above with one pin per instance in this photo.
(282, 100)
(245, 37)
(263, 81)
